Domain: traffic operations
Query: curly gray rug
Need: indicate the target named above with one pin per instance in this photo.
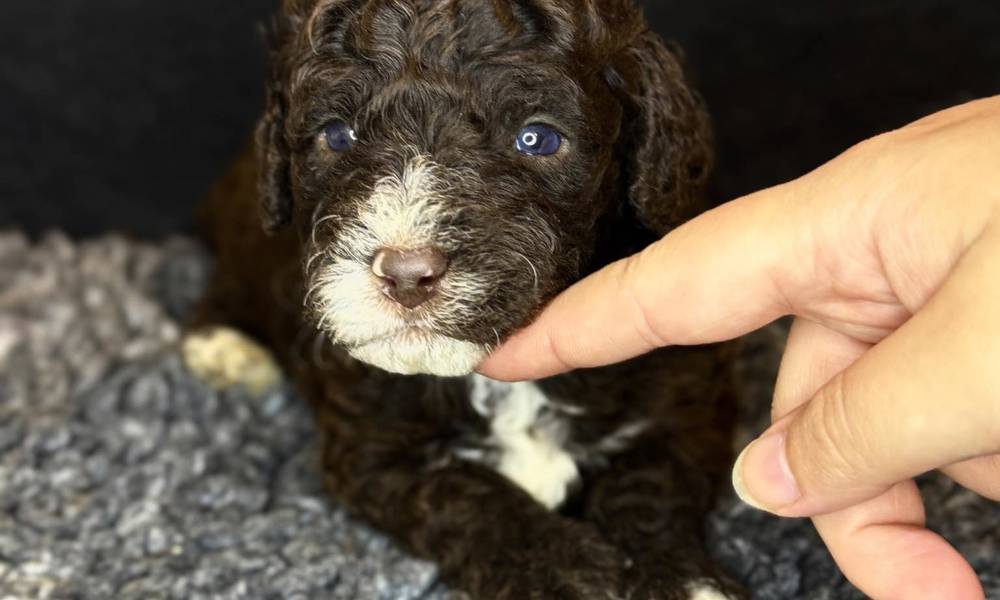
(122, 477)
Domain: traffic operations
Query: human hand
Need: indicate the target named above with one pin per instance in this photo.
(889, 257)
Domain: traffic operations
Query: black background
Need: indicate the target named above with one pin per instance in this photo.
(117, 114)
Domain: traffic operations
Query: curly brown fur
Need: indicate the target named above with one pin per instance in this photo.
(437, 91)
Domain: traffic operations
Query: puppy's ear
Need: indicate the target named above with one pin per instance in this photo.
(668, 151)
(273, 178)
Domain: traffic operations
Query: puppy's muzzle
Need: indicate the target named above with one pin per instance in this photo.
(385, 290)
(409, 277)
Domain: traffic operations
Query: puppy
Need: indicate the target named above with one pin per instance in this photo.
(429, 174)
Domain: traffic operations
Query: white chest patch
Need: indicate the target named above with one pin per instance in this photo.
(529, 438)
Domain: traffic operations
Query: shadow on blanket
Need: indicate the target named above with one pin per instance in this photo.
(122, 477)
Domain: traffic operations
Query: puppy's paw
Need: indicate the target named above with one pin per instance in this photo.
(225, 358)
(705, 590)
(562, 582)
(664, 583)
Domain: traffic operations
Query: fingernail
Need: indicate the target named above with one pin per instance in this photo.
(761, 476)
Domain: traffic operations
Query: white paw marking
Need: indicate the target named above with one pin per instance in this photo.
(224, 358)
(704, 591)
(532, 453)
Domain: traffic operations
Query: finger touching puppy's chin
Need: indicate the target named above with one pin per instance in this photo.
(424, 354)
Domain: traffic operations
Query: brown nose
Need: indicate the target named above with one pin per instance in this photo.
(409, 277)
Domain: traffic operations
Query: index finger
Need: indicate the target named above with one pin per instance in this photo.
(712, 279)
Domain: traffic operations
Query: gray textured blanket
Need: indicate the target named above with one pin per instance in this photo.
(122, 477)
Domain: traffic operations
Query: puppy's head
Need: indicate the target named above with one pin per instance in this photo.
(451, 165)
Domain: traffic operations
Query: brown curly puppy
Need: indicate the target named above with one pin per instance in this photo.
(430, 173)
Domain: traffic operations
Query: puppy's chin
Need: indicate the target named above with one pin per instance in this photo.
(424, 353)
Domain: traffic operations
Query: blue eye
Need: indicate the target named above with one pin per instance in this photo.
(538, 139)
(340, 136)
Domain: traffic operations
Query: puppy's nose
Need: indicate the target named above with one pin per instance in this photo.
(409, 277)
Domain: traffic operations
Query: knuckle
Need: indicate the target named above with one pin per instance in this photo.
(875, 147)
(980, 474)
(888, 154)
(991, 480)
(833, 448)
(629, 279)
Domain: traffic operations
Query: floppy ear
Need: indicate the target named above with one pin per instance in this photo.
(273, 178)
(669, 153)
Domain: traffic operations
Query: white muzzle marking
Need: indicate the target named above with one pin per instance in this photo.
(403, 211)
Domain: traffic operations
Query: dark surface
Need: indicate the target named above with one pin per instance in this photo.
(118, 114)
(122, 477)
(792, 84)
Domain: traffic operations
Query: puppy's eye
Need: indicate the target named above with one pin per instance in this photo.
(340, 137)
(538, 139)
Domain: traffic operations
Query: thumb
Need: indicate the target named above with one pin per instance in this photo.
(709, 280)
(922, 399)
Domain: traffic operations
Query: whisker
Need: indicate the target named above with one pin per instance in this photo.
(534, 271)
(316, 211)
(319, 223)
(318, 345)
(312, 258)
(312, 290)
